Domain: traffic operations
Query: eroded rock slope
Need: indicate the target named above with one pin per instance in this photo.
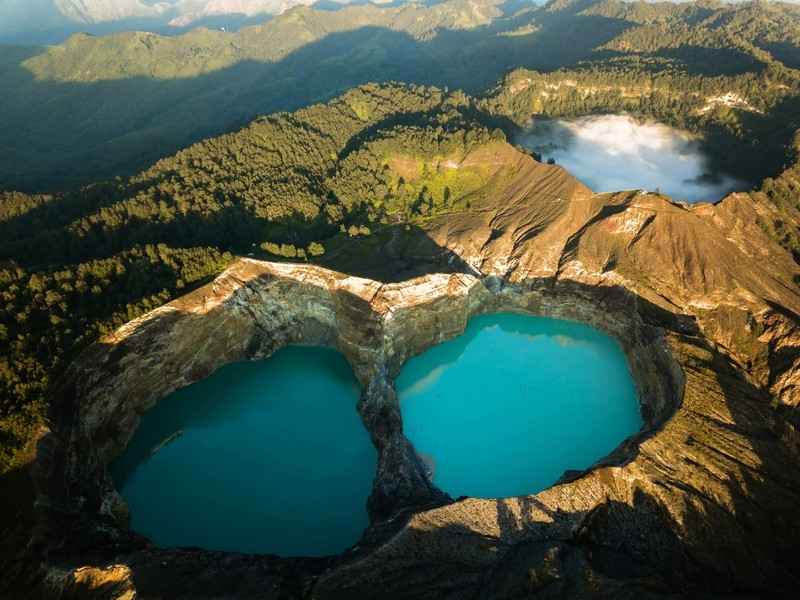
(702, 501)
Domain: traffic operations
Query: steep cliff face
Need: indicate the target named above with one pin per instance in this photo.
(711, 262)
(701, 500)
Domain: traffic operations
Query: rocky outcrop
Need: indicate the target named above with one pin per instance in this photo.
(702, 500)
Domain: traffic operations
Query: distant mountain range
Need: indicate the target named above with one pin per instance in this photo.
(51, 21)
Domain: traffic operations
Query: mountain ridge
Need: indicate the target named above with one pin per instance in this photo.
(51, 20)
(95, 108)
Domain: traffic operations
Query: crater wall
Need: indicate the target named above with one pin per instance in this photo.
(713, 456)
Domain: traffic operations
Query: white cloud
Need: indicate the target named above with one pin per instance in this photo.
(616, 152)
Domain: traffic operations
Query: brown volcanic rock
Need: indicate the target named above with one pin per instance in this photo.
(710, 261)
(703, 500)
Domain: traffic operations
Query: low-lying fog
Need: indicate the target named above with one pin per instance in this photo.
(615, 152)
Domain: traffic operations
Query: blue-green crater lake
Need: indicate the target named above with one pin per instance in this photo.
(268, 457)
(504, 409)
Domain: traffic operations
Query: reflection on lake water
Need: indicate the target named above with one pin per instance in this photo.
(507, 407)
(268, 456)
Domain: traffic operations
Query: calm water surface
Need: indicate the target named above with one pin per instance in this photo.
(506, 408)
(271, 457)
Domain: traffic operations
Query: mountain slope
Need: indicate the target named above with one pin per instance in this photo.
(94, 108)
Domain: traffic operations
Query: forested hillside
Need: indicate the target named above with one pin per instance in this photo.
(97, 107)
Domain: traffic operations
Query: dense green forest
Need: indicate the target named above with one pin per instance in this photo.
(48, 315)
(97, 107)
(76, 263)
(783, 192)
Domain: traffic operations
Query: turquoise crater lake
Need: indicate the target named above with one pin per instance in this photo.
(266, 457)
(504, 409)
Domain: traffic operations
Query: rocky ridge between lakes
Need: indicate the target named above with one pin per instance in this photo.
(702, 501)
